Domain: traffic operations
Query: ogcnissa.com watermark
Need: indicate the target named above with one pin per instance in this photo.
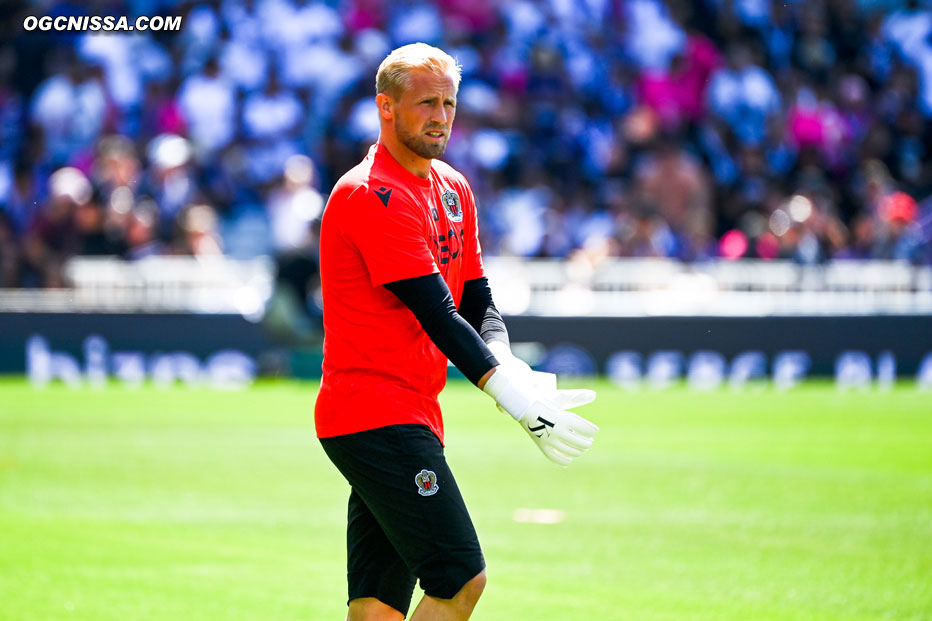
(105, 23)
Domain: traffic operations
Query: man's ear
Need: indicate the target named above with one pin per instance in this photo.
(385, 105)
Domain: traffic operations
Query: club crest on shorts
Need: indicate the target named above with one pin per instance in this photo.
(426, 481)
(451, 205)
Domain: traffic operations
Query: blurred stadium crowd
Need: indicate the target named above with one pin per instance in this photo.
(693, 130)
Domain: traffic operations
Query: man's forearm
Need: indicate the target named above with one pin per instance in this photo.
(432, 304)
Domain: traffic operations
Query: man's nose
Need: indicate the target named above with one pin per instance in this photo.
(440, 115)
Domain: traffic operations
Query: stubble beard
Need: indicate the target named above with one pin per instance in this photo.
(420, 146)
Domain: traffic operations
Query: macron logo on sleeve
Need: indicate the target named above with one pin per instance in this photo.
(384, 194)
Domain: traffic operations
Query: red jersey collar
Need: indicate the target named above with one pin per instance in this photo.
(391, 164)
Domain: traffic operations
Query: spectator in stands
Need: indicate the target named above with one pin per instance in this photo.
(271, 123)
(23, 197)
(160, 112)
(196, 232)
(863, 239)
(94, 233)
(909, 31)
(245, 62)
(11, 109)
(673, 181)
(677, 94)
(743, 95)
(142, 232)
(900, 236)
(208, 103)
(815, 124)
(9, 254)
(116, 166)
(523, 209)
(69, 108)
(171, 178)
(51, 237)
(653, 38)
(643, 233)
(294, 205)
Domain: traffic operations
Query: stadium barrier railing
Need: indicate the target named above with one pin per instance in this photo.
(545, 287)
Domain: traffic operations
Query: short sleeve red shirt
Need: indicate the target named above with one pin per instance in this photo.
(381, 224)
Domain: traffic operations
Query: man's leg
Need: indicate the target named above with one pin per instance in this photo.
(401, 477)
(457, 609)
(380, 585)
(371, 609)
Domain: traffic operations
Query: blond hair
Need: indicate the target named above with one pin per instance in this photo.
(392, 77)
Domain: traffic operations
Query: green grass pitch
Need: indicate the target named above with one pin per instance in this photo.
(192, 504)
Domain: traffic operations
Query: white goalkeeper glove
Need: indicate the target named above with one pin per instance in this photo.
(560, 434)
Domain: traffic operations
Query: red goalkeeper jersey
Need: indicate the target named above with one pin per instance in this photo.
(382, 224)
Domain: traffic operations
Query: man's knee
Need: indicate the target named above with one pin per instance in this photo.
(371, 609)
(473, 589)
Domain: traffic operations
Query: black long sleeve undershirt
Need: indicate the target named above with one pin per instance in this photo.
(479, 310)
(430, 300)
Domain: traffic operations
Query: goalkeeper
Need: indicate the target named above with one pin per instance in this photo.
(399, 254)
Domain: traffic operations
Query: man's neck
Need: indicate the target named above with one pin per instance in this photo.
(410, 161)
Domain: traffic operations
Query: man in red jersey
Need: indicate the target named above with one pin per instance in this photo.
(404, 290)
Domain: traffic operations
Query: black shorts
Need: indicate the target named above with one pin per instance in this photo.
(407, 519)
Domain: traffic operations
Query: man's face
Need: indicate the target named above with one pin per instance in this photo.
(423, 115)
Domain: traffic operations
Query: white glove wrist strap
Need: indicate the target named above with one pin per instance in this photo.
(512, 395)
(501, 350)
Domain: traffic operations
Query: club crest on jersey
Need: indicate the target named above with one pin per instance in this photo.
(451, 205)
(426, 481)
